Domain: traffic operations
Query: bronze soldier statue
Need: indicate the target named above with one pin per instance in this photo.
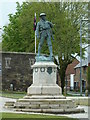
(43, 32)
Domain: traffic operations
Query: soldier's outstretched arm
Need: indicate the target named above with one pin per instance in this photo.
(37, 31)
(51, 24)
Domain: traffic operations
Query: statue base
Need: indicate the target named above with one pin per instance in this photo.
(43, 58)
(44, 79)
(44, 95)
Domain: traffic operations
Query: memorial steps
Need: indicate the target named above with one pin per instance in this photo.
(44, 95)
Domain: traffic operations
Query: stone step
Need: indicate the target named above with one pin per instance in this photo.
(44, 97)
(45, 103)
(9, 103)
(45, 100)
(47, 106)
(9, 107)
(44, 106)
(56, 111)
(49, 102)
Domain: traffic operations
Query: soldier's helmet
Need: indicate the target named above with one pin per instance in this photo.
(42, 14)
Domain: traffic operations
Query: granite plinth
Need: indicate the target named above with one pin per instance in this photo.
(44, 79)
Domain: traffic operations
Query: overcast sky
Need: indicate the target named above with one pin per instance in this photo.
(7, 7)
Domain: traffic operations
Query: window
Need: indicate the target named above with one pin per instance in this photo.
(76, 85)
(7, 62)
(31, 61)
(83, 84)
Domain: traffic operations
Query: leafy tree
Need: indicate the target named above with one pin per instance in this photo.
(67, 37)
(19, 35)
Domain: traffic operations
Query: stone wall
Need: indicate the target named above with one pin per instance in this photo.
(17, 72)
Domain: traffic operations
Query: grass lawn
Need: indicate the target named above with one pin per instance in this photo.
(18, 116)
(12, 94)
(17, 95)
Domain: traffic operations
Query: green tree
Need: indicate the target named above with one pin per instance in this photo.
(19, 35)
(68, 37)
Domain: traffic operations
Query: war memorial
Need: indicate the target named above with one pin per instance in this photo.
(44, 95)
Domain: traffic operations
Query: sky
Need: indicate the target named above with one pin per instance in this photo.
(7, 7)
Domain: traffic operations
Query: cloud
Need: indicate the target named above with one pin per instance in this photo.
(3, 1)
(7, 7)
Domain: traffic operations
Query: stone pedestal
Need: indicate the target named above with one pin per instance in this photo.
(44, 80)
(44, 95)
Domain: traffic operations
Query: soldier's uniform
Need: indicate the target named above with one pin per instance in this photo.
(43, 32)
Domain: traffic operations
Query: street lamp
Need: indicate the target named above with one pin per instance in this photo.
(81, 54)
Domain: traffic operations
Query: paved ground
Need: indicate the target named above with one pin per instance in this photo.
(2, 102)
(80, 115)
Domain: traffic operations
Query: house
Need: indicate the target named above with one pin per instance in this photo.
(70, 72)
(84, 75)
(72, 79)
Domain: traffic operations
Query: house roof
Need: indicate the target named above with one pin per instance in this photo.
(70, 67)
(84, 63)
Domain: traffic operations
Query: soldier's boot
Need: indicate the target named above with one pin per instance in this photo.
(50, 50)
